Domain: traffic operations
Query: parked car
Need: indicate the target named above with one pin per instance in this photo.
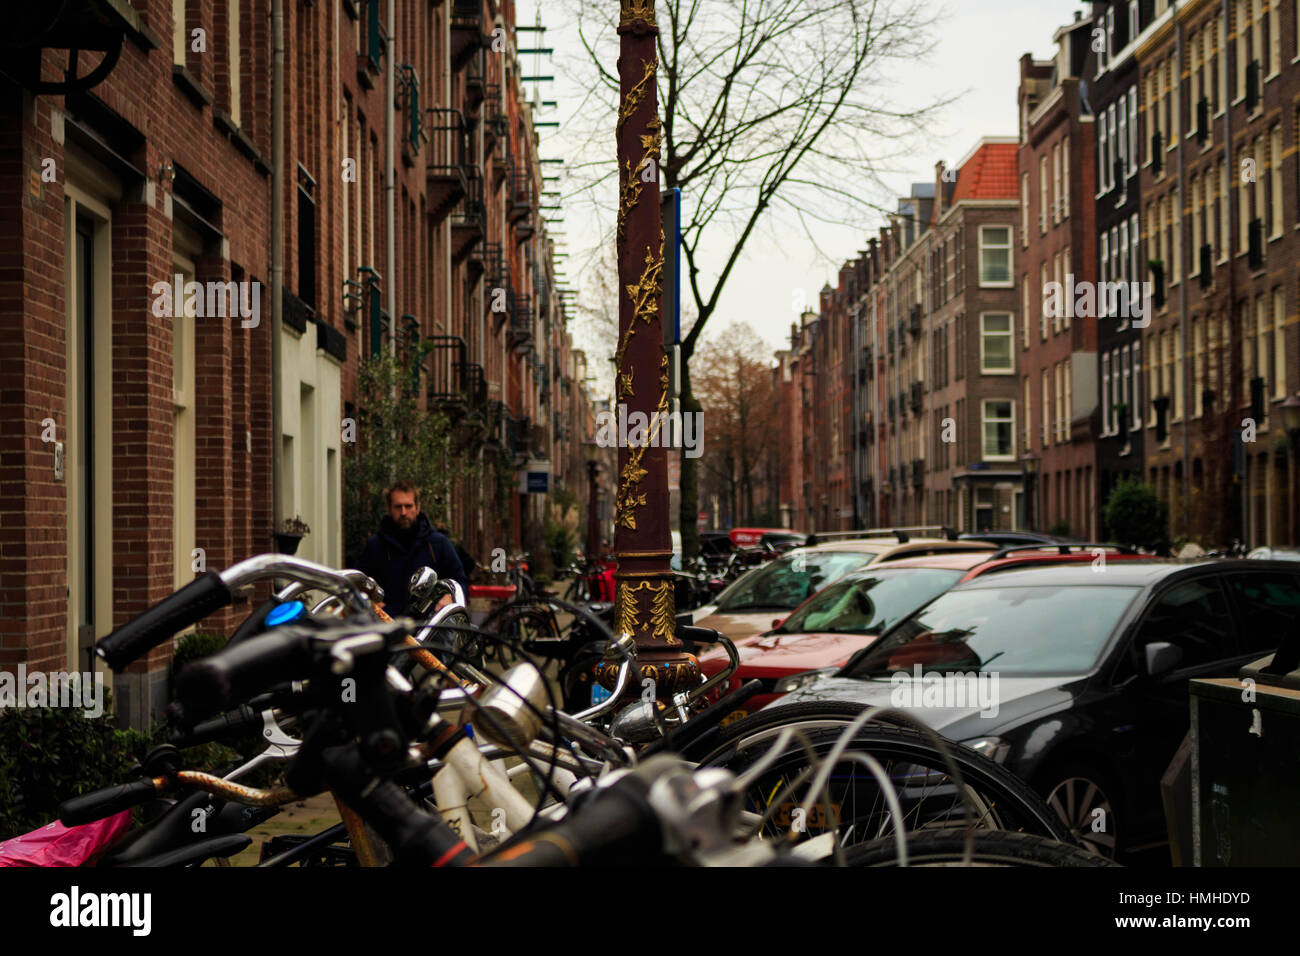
(1089, 671)
(773, 590)
(1012, 538)
(822, 634)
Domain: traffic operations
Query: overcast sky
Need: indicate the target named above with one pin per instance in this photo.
(975, 60)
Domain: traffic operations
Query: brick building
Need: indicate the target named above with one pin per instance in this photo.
(1057, 351)
(1220, 184)
(137, 446)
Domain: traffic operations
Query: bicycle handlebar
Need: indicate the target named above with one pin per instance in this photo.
(235, 673)
(212, 591)
(191, 604)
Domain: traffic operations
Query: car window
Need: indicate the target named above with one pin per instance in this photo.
(869, 604)
(788, 581)
(1192, 616)
(1026, 630)
(1268, 606)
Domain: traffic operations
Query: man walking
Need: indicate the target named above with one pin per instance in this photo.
(405, 543)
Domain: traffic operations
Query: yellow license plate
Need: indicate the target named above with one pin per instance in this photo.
(732, 717)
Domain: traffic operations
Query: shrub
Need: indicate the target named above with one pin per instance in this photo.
(1136, 516)
(195, 645)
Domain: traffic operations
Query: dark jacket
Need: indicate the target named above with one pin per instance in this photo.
(391, 563)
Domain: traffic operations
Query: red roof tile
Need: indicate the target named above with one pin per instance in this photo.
(989, 174)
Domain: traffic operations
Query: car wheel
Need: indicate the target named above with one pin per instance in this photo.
(1086, 800)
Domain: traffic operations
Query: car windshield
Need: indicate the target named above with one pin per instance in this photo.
(1027, 630)
(870, 602)
(786, 582)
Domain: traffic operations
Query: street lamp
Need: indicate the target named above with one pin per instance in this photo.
(1029, 462)
(1291, 424)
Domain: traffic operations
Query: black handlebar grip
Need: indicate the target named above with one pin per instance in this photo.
(234, 674)
(617, 828)
(232, 724)
(99, 804)
(173, 613)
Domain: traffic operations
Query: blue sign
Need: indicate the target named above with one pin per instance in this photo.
(539, 482)
(671, 203)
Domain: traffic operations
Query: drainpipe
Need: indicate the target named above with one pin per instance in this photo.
(1226, 378)
(277, 251)
(390, 193)
(1188, 358)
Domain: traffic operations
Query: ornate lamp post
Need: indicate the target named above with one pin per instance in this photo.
(644, 602)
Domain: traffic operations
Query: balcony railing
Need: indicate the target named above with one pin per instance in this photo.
(466, 31)
(447, 160)
(475, 386)
(444, 363)
(469, 218)
(521, 319)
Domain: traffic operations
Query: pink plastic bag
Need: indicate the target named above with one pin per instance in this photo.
(57, 845)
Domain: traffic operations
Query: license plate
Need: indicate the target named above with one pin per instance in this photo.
(598, 694)
(732, 717)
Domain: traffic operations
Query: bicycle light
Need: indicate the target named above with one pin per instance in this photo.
(516, 706)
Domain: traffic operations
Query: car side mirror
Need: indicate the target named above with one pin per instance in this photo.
(776, 622)
(1162, 657)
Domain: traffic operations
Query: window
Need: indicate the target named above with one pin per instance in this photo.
(1268, 605)
(1124, 396)
(1135, 269)
(1135, 408)
(1024, 210)
(995, 343)
(1024, 311)
(1178, 378)
(1042, 194)
(1068, 408)
(1279, 343)
(1195, 190)
(1113, 149)
(1102, 176)
(1058, 419)
(1105, 394)
(180, 37)
(1132, 130)
(1243, 51)
(234, 44)
(1056, 277)
(1042, 310)
(1192, 616)
(1056, 183)
(1065, 178)
(999, 430)
(1264, 367)
(1198, 365)
(984, 508)
(1045, 409)
(1224, 225)
(1177, 244)
(1132, 20)
(995, 256)
(1275, 181)
(1069, 285)
(1121, 147)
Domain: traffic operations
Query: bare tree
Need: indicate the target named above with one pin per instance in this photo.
(771, 108)
(734, 382)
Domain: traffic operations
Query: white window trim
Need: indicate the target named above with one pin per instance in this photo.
(1010, 335)
(1011, 259)
(984, 422)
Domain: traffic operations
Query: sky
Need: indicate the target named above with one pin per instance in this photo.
(975, 61)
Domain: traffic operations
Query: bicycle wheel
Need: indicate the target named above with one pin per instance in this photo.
(929, 798)
(811, 715)
(988, 848)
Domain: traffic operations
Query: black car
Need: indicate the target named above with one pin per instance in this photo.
(1075, 677)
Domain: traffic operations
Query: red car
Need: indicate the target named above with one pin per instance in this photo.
(824, 632)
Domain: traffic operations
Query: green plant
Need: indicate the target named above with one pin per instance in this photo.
(294, 525)
(48, 754)
(1060, 528)
(1135, 515)
(395, 439)
(195, 645)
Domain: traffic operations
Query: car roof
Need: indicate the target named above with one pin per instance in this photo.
(1143, 572)
(950, 561)
(886, 546)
